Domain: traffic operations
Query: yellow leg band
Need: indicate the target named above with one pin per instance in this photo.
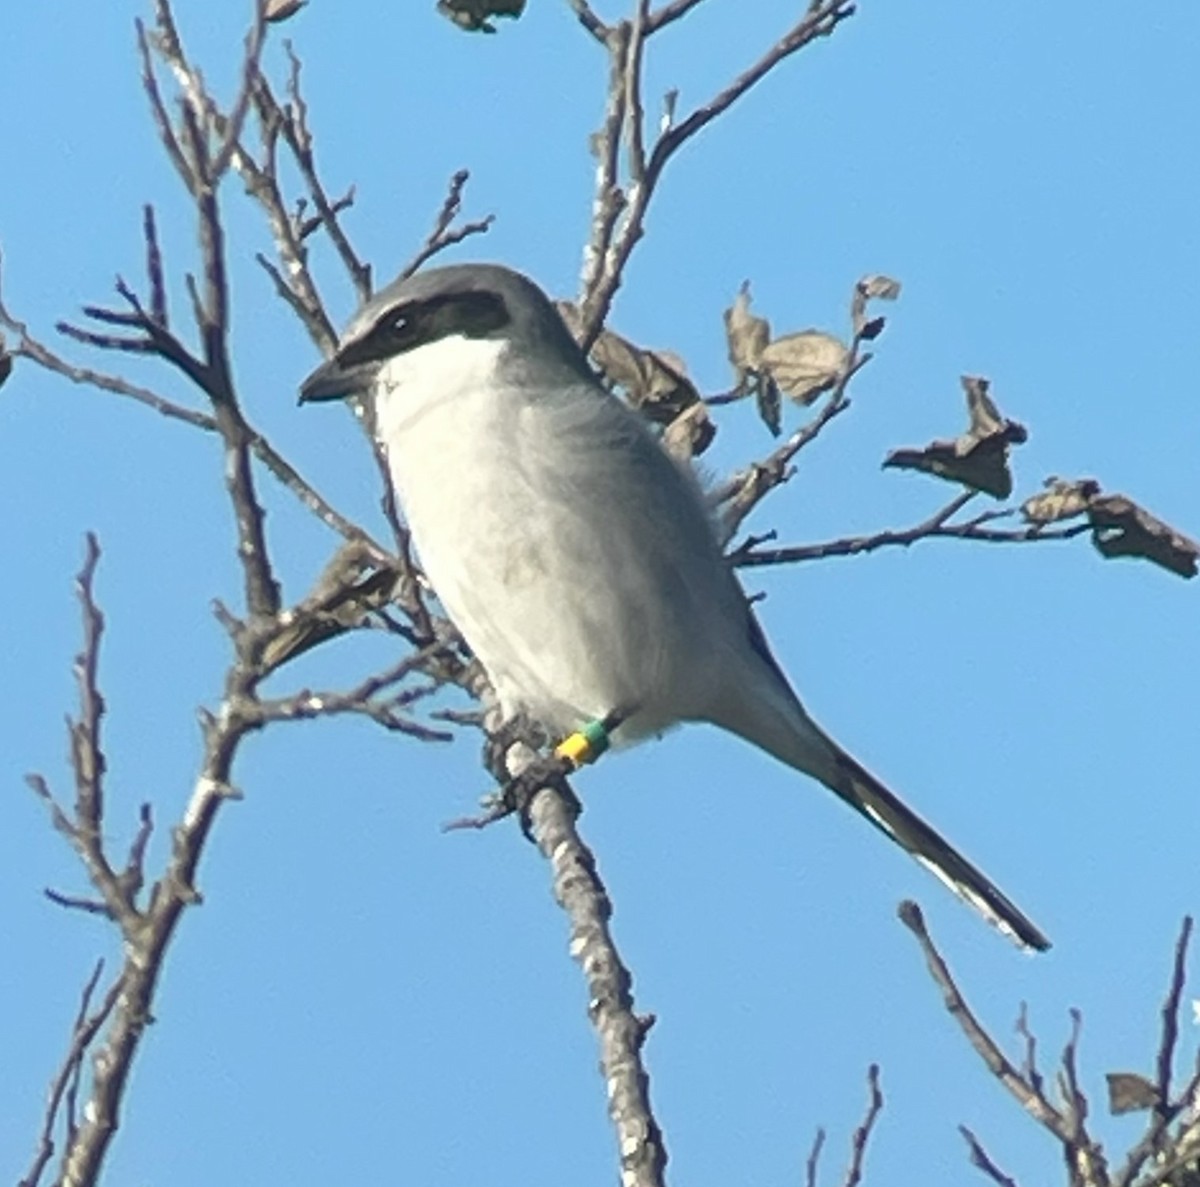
(585, 746)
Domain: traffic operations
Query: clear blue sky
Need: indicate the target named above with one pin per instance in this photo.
(363, 998)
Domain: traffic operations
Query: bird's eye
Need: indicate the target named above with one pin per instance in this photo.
(400, 323)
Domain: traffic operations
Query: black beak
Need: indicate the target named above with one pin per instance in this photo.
(334, 380)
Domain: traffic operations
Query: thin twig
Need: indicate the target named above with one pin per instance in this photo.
(1033, 1101)
(981, 1159)
(813, 1162)
(1156, 1138)
(751, 553)
(589, 20)
(1170, 1015)
(299, 140)
(444, 233)
(65, 1085)
(663, 16)
(862, 1135)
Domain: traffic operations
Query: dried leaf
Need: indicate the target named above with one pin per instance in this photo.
(473, 15)
(769, 403)
(805, 364)
(1062, 499)
(979, 458)
(1130, 1093)
(278, 11)
(654, 381)
(690, 433)
(879, 288)
(747, 335)
(1122, 528)
(871, 288)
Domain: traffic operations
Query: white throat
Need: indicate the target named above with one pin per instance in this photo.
(438, 373)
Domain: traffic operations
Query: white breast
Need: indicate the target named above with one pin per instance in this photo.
(575, 559)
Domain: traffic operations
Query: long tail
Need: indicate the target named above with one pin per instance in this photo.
(781, 726)
(863, 792)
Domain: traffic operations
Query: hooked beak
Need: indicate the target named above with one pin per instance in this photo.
(336, 380)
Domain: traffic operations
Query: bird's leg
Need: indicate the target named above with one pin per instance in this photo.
(518, 728)
(516, 792)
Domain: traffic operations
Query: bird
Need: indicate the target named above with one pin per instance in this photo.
(577, 558)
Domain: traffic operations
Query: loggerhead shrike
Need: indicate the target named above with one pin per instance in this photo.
(579, 561)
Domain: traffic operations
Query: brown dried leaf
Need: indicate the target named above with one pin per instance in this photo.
(871, 288)
(877, 287)
(654, 381)
(1122, 528)
(278, 11)
(805, 364)
(769, 404)
(690, 433)
(473, 15)
(747, 335)
(1130, 1093)
(979, 458)
(1062, 499)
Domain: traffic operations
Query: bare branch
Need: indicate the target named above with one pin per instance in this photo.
(609, 201)
(812, 1163)
(1157, 1139)
(936, 527)
(299, 140)
(819, 21)
(232, 130)
(589, 20)
(444, 233)
(65, 1085)
(75, 902)
(1170, 1015)
(158, 109)
(609, 249)
(621, 1031)
(668, 13)
(862, 1135)
(634, 115)
(1030, 1098)
(743, 491)
(362, 700)
(981, 1159)
(154, 268)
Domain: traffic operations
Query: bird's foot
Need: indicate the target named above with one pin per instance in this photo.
(516, 795)
(519, 728)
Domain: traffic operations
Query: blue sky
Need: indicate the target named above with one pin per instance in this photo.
(363, 997)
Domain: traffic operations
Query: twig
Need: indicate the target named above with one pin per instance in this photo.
(634, 115)
(65, 1085)
(444, 233)
(610, 247)
(743, 491)
(812, 1163)
(299, 139)
(75, 902)
(1166, 1110)
(589, 20)
(609, 201)
(1170, 1015)
(819, 21)
(981, 1159)
(936, 527)
(1030, 1098)
(668, 13)
(578, 889)
(862, 1135)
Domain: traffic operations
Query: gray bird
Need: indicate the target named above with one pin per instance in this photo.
(579, 561)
